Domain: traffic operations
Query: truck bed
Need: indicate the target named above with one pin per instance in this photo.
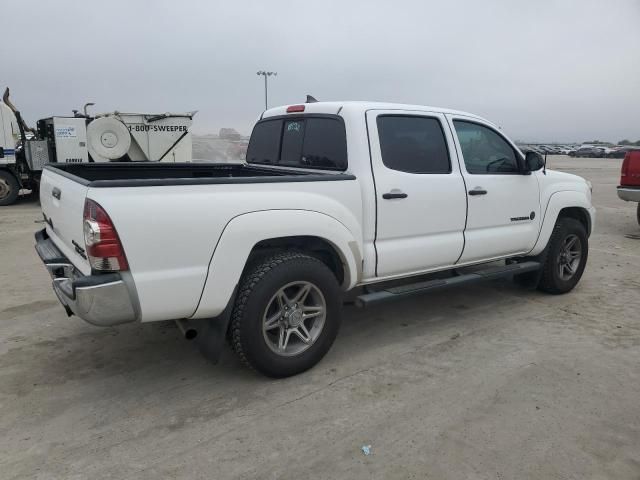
(103, 175)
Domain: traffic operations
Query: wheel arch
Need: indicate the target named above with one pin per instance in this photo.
(316, 246)
(252, 235)
(579, 213)
(572, 204)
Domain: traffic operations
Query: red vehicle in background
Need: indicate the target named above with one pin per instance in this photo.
(629, 189)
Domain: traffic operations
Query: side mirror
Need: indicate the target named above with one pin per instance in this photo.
(533, 161)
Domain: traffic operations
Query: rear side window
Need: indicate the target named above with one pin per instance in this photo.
(413, 144)
(325, 144)
(308, 142)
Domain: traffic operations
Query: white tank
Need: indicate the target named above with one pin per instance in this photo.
(164, 137)
(9, 133)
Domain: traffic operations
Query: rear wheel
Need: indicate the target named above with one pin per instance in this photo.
(638, 213)
(9, 188)
(566, 257)
(286, 315)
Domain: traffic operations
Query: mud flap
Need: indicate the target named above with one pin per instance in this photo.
(532, 279)
(212, 332)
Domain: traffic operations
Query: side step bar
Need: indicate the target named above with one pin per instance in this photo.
(393, 293)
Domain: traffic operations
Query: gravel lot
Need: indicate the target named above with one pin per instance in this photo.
(485, 382)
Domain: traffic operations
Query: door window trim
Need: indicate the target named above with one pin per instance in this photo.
(517, 153)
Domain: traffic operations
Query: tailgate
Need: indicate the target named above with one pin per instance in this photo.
(62, 202)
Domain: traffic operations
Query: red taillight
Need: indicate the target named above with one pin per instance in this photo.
(630, 174)
(295, 108)
(101, 240)
(624, 172)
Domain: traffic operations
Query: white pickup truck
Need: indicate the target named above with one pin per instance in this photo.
(391, 199)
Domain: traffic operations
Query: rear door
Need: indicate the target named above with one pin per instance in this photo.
(420, 194)
(62, 202)
(504, 204)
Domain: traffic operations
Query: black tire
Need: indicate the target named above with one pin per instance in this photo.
(258, 287)
(551, 280)
(9, 189)
(638, 213)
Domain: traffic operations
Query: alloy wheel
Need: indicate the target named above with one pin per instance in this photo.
(294, 318)
(569, 257)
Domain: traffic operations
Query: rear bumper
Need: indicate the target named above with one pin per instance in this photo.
(102, 300)
(629, 194)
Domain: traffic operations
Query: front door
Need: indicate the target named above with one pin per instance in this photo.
(421, 202)
(504, 204)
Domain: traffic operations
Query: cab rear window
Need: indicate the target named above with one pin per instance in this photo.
(305, 142)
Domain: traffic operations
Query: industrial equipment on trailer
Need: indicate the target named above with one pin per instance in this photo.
(80, 138)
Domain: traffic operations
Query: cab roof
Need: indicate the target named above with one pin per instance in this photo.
(361, 107)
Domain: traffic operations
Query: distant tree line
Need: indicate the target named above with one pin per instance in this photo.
(629, 142)
(621, 142)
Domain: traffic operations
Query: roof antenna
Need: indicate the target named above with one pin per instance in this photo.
(311, 99)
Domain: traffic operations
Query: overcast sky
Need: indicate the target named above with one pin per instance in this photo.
(543, 70)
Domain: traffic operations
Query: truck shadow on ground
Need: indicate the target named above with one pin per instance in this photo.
(89, 353)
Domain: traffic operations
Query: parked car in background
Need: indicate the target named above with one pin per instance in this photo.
(619, 152)
(629, 188)
(589, 152)
(545, 149)
(537, 149)
(606, 151)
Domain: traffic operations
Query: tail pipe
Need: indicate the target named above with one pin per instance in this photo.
(187, 330)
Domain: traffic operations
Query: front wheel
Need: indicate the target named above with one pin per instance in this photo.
(286, 314)
(9, 188)
(566, 257)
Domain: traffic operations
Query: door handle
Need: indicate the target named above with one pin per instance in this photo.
(56, 192)
(394, 194)
(478, 191)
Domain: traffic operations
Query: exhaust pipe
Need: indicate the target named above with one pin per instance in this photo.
(188, 332)
(21, 124)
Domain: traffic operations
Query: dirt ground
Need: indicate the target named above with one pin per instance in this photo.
(489, 382)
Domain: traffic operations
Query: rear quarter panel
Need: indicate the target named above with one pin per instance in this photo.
(169, 233)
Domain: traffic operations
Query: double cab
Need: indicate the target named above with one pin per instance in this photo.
(387, 199)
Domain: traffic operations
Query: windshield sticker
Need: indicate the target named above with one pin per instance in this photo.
(294, 127)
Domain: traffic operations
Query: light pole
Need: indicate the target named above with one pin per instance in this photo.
(265, 75)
